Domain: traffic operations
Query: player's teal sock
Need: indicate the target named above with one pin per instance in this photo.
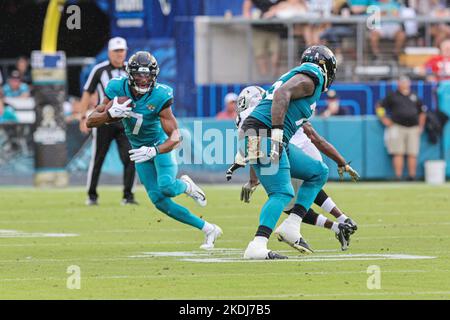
(179, 213)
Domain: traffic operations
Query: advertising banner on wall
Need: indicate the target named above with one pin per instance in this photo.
(49, 82)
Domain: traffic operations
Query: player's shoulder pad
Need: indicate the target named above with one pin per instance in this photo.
(163, 89)
(313, 71)
(163, 92)
(115, 87)
(116, 82)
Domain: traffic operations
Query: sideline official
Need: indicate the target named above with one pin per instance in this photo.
(104, 135)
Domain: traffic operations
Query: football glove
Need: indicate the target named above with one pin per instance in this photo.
(346, 168)
(231, 169)
(142, 154)
(247, 191)
(277, 144)
(120, 110)
(239, 162)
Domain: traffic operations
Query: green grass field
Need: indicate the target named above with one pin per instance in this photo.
(128, 252)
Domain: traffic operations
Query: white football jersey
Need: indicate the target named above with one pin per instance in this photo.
(300, 139)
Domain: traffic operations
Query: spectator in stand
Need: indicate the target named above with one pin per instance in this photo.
(266, 39)
(333, 36)
(23, 66)
(438, 68)
(229, 112)
(403, 114)
(7, 113)
(333, 105)
(439, 31)
(15, 87)
(359, 6)
(387, 30)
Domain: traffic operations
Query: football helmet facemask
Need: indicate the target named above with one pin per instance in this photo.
(142, 69)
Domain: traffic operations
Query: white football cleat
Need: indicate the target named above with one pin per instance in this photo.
(211, 237)
(194, 191)
(289, 232)
(255, 251)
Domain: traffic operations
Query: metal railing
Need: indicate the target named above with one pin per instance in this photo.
(360, 23)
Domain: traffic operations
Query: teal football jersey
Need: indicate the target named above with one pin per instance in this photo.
(143, 127)
(300, 110)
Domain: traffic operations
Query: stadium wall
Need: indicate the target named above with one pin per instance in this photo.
(213, 143)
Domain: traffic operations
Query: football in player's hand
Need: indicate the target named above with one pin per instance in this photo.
(119, 100)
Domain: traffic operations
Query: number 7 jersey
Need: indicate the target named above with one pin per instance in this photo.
(299, 110)
(143, 127)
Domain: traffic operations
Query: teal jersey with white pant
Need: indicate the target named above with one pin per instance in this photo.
(143, 128)
(299, 110)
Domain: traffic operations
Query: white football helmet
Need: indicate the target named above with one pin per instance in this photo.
(249, 97)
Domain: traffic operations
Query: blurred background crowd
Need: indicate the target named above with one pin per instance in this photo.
(209, 50)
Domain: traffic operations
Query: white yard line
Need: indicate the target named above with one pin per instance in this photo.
(229, 274)
(340, 294)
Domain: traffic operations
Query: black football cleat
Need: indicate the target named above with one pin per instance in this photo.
(91, 202)
(303, 246)
(129, 201)
(353, 225)
(343, 235)
(275, 256)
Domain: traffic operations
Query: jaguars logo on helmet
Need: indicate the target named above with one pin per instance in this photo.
(142, 69)
(325, 59)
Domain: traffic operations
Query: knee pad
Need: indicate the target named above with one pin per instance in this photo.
(156, 196)
(283, 198)
(166, 185)
(284, 192)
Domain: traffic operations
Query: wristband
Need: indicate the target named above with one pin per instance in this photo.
(277, 135)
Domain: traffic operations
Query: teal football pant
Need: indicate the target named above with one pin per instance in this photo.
(276, 180)
(159, 179)
(313, 172)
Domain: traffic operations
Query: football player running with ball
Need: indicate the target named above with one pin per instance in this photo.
(307, 139)
(285, 107)
(153, 133)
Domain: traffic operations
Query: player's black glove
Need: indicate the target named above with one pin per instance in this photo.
(346, 168)
(247, 190)
(231, 169)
